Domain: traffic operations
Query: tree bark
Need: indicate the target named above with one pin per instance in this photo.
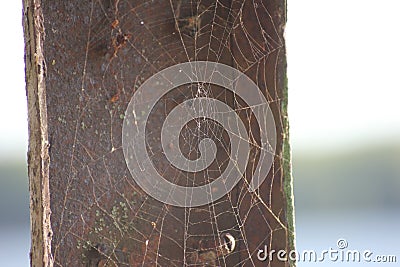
(84, 62)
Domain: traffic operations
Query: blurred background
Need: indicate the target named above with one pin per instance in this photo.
(344, 92)
(343, 65)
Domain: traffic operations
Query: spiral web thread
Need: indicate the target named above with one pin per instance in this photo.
(137, 230)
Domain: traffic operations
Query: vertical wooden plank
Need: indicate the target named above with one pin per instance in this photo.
(84, 62)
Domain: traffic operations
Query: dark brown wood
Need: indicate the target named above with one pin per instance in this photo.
(84, 62)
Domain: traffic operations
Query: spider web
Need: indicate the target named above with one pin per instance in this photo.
(100, 213)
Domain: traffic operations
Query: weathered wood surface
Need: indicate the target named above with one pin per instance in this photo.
(84, 61)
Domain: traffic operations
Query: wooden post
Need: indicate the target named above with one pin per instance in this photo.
(85, 60)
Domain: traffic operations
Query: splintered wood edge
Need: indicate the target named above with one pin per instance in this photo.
(38, 152)
(287, 155)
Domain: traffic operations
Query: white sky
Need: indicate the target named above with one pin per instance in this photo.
(13, 110)
(344, 68)
(343, 58)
